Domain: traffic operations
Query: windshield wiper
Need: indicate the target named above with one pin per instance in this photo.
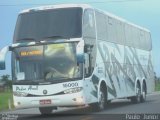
(26, 39)
(55, 37)
(57, 78)
(23, 80)
(64, 78)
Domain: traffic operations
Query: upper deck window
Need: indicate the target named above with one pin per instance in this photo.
(38, 25)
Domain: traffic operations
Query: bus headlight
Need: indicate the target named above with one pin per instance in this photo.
(20, 94)
(73, 90)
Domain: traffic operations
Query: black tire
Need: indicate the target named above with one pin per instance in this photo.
(45, 110)
(144, 92)
(137, 98)
(102, 102)
(108, 101)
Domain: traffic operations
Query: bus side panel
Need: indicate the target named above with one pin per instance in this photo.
(143, 68)
(122, 67)
(112, 58)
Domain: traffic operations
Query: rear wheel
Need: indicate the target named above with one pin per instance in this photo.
(144, 92)
(108, 101)
(136, 99)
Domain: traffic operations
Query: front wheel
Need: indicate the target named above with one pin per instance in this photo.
(101, 102)
(45, 110)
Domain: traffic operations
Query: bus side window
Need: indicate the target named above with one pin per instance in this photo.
(89, 24)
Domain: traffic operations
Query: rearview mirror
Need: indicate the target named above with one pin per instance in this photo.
(20, 76)
(86, 57)
(80, 52)
(3, 53)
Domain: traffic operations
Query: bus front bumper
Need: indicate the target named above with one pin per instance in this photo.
(68, 100)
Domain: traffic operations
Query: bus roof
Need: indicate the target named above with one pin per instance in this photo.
(84, 6)
(47, 7)
(122, 20)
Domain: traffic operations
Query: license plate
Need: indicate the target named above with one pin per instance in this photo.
(44, 102)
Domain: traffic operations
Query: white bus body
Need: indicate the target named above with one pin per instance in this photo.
(113, 59)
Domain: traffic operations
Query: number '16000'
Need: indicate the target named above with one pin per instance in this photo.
(70, 85)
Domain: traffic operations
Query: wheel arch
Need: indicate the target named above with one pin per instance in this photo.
(103, 84)
(137, 82)
(144, 83)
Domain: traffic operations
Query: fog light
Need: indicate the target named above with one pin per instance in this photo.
(79, 99)
(17, 104)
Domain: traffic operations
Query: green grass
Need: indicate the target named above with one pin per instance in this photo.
(4, 97)
(157, 86)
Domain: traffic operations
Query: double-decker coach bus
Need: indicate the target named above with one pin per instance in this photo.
(75, 55)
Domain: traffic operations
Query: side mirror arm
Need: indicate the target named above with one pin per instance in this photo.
(3, 53)
(80, 52)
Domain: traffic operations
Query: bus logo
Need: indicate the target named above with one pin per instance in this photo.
(44, 92)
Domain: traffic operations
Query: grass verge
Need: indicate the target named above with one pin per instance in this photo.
(4, 98)
(157, 86)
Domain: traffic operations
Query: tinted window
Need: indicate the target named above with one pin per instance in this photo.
(64, 22)
(101, 26)
(89, 24)
(51, 62)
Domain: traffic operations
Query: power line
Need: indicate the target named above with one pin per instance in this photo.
(94, 2)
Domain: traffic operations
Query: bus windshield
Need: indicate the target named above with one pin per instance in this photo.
(38, 25)
(52, 62)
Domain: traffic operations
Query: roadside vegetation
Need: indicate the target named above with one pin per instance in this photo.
(6, 99)
(157, 82)
(157, 85)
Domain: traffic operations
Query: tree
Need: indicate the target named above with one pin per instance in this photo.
(8, 82)
(155, 76)
(5, 78)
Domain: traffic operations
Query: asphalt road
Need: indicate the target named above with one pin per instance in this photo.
(117, 110)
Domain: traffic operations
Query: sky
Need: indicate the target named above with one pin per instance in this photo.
(145, 13)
